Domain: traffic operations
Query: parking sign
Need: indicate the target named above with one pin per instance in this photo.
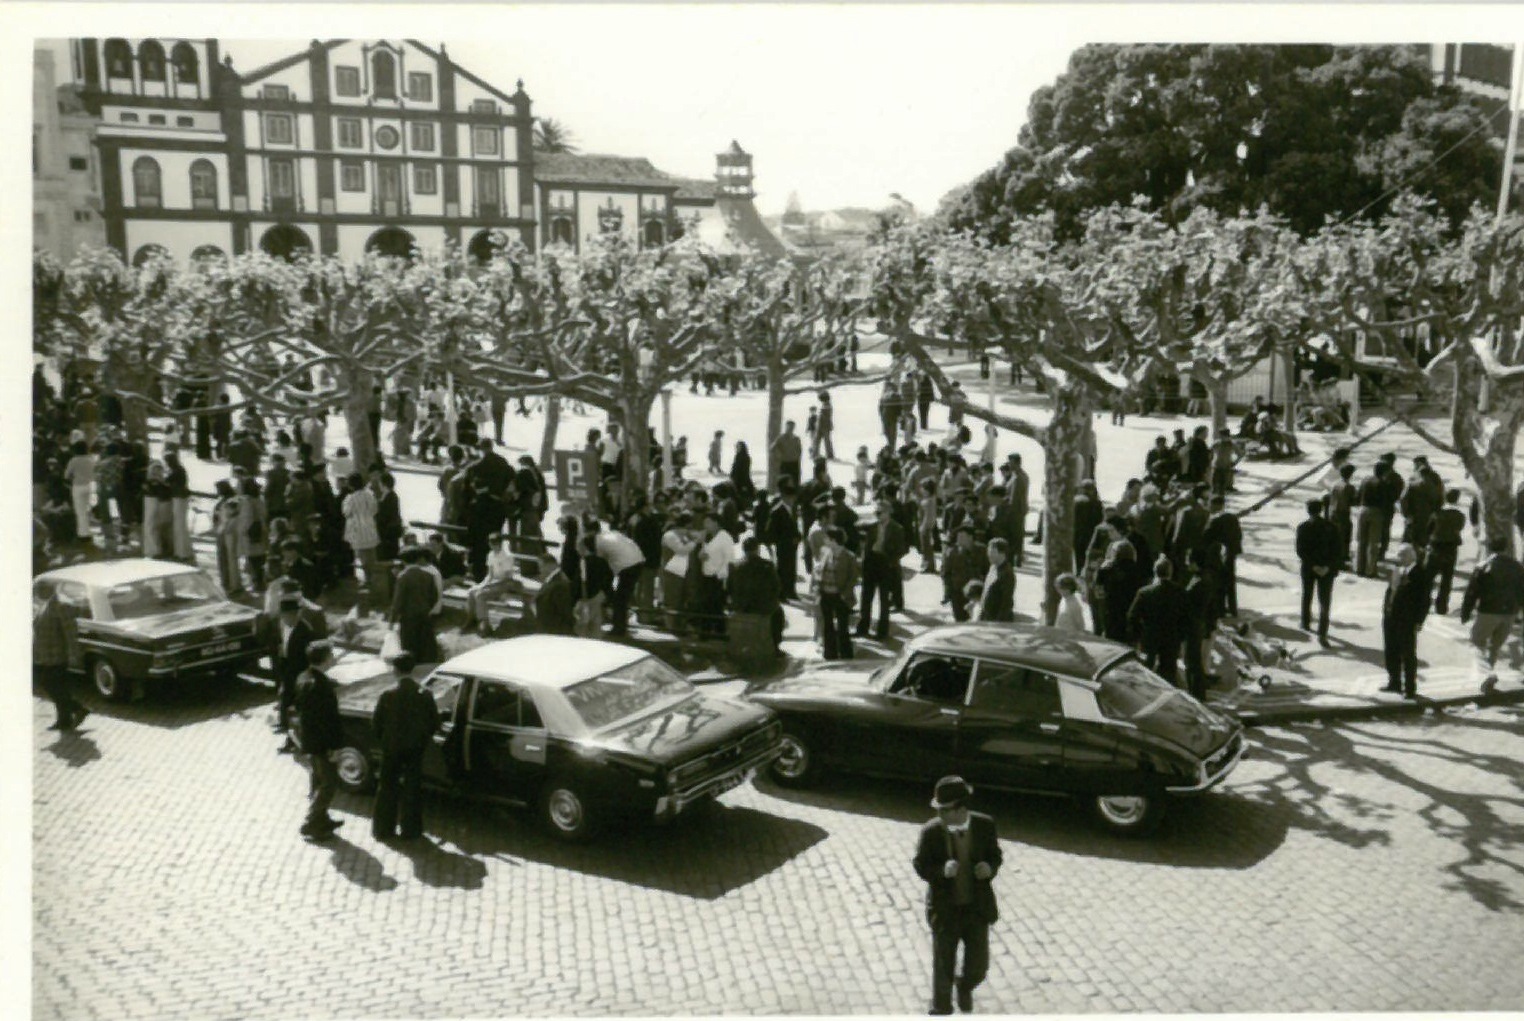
(576, 476)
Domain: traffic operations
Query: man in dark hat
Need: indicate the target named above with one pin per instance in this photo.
(405, 720)
(294, 638)
(320, 733)
(958, 856)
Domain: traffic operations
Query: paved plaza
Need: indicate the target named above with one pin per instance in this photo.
(1370, 866)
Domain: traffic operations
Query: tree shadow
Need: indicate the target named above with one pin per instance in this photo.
(1471, 821)
(74, 749)
(1215, 831)
(706, 855)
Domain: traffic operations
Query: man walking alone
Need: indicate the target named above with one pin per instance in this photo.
(958, 856)
(319, 733)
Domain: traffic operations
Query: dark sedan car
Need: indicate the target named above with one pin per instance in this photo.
(137, 620)
(1011, 706)
(586, 730)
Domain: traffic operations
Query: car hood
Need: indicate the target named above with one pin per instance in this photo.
(1184, 722)
(359, 698)
(691, 727)
(840, 684)
(195, 623)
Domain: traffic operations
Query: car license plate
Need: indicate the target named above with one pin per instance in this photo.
(219, 648)
(730, 782)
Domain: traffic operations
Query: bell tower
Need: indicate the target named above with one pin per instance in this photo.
(733, 173)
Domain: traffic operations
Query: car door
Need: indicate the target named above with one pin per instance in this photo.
(1012, 734)
(505, 741)
(442, 762)
(75, 600)
(918, 734)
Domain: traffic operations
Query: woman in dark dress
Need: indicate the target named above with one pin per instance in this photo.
(740, 474)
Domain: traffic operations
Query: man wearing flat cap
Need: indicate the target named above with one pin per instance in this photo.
(958, 856)
(405, 720)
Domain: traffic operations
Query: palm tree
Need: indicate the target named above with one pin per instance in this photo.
(550, 135)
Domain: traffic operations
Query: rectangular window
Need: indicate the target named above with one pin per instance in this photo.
(185, 122)
(352, 176)
(483, 106)
(78, 163)
(423, 137)
(276, 92)
(350, 134)
(346, 81)
(488, 191)
(425, 181)
(81, 216)
(484, 141)
(157, 118)
(278, 129)
(282, 179)
(420, 87)
(129, 118)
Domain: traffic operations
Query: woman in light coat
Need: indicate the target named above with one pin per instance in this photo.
(253, 532)
(360, 532)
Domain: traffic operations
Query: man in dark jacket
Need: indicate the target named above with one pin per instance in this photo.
(320, 733)
(1088, 512)
(1342, 497)
(998, 601)
(1495, 594)
(50, 662)
(883, 547)
(1158, 619)
(1371, 522)
(291, 657)
(1446, 529)
(243, 452)
(1188, 530)
(412, 611)
(964, 563)
(276, 480)
(1402, 613)
(1198, 456)
(754, 587)
(1203, 603)
(1421, 500)
(1224, 543)
(405, 720)
(1317, 547)
(1392, 488)
(1019, 492)
(958, 855)
(554, 604)
(783, 535)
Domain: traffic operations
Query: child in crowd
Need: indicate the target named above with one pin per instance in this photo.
(860, 475)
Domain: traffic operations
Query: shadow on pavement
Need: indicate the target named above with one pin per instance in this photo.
(1215, 831)
(707, 855)
(75, 749)
(358, 865)
(182, 704)
(438, 866)
(1481, 826)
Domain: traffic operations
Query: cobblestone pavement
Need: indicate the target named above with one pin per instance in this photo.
(1372, 866)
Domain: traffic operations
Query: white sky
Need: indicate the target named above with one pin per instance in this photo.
(842, 103)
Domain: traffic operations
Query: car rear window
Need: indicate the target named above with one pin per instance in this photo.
(153, 596)
(629, 691)
(1129, 691)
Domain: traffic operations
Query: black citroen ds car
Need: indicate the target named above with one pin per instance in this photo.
(1011, 706)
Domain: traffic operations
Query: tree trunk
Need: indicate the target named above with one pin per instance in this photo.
(1217, 396)
(548, 440)
(637, 447)
(1288, 408)
(1485, 441)
(774, 416)
(128, 378)
(1062, 447)
(357, 384)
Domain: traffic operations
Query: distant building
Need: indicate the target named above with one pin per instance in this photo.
(66, 195)
(845, 229)
(1483, 69)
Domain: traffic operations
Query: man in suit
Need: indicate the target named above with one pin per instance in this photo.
(998, 601)
(1224, 543)
(405, 720)
(414, 598)
(320, 731)
(883, 547)
(1088, 512)
(958, 856)
(554, 605)
(1188, 531)
(1317, 546)
(289, 660)
(1157, 617)
(964, 563)
(1019, 491)
(276, 480)
(783, 536)
(754, 587)
(1341, 501)
(1371, 521)
(1446, 528)
(1402, 613)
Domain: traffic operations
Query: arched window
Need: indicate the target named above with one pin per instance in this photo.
(207, 256)
(146, 253)
(187, 64)
(146, 190)
(561, 231)
(118, 59)
(655, 236)
(151, 60)
(203, 185)
(383, 76)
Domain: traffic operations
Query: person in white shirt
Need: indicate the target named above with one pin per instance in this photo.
(1071, 612)
(677, 543)
(625, 562)
(502, 576)
(1332, 477)
(715, 555)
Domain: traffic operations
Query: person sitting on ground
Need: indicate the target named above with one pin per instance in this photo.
(449, 560)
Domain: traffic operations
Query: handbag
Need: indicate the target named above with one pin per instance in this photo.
(391, 645)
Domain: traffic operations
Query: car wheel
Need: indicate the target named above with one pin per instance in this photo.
(566, 811)
(796, 765)
(1129, 814)
(108, 681)
(356, 774)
